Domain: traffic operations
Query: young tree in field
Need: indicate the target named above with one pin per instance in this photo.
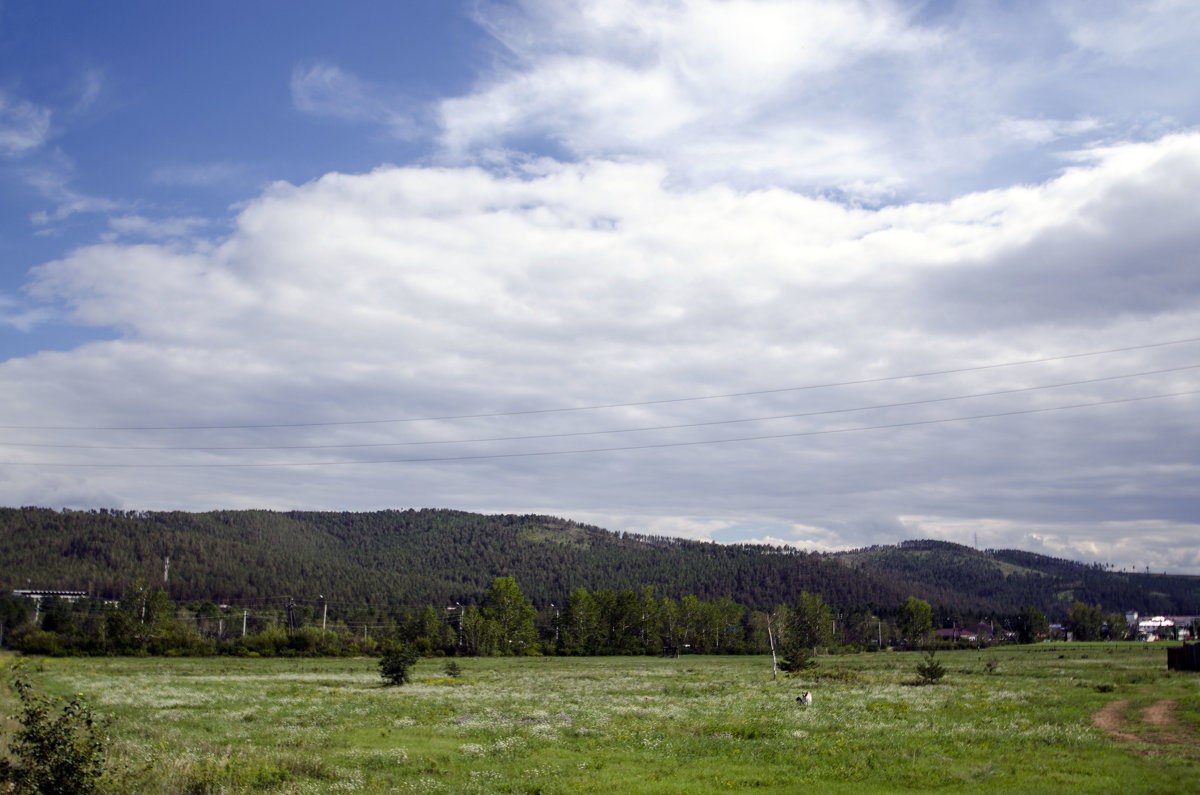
(510, 615)
(1030, 624)
(915, 620)
(930, 670)
(810, 626)
(396, 663)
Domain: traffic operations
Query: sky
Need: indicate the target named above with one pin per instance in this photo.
(823, 274)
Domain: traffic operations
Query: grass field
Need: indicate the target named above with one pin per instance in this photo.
(1044, 718)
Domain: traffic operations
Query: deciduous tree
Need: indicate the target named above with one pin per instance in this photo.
(1031, 624)
(510, 615)
(915, 620)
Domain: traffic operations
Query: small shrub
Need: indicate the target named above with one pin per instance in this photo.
(396, 663)
(797, 660)
(929, 669)
(54, 752)
(453, 669)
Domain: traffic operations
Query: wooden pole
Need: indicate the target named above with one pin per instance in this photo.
(771, 638)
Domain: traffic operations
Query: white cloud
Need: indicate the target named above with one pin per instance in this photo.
(714, 88)
(52, 177)
(22, 318)
(1040, 131)
(156, 229)
(873, 101)
(24, 126)
(324, 89)
(432, 292)
(1127, 32)
(91, 88)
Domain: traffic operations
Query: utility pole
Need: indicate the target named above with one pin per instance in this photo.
(324, 611)
(458, 637)
(244, 622)
(771, 638)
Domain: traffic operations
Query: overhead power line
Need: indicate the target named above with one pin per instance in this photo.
(595, 407)
(571, 434)
(651, 446)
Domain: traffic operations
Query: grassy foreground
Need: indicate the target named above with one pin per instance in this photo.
(1008, 719)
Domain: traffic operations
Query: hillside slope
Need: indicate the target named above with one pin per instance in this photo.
(415, 557)
(1014, 578)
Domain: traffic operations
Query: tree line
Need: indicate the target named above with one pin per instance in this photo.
(145, 621)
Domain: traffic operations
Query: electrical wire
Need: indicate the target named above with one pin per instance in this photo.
(570, 434)
(632, 404)
(659, 445)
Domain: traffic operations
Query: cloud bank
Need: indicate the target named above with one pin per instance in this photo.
(819, 273)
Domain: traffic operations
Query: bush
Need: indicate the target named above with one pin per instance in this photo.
(797, 659)
(453, 669)
(39, 641)
(54, 752)
(930, 670)
(395, 664)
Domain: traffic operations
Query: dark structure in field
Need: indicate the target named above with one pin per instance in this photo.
(1184, 658)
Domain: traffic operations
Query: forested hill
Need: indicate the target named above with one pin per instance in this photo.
(400, 558)
(1013, 577)
(414, 557)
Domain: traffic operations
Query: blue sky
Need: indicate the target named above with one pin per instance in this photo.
(815, 273)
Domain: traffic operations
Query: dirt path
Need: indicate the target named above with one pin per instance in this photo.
(1110, 720)
(1158, 715)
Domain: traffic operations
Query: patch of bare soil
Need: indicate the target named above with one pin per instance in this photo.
(1111, 721)
(1158, 715)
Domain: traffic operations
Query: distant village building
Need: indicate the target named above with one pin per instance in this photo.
(971, 634)
(1156, 628)
(1166, 628)
(38, 595)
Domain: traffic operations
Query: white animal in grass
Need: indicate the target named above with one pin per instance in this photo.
(804, 699)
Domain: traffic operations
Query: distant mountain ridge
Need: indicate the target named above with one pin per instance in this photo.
(438, 556)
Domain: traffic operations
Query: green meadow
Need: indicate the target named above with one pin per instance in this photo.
(1043, 718)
